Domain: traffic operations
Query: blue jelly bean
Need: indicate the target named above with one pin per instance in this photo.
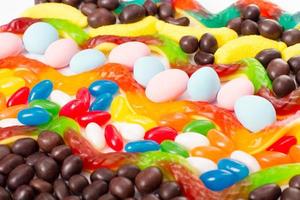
(142, 146)
(38, 37)
(103, 86)
(102, 102)
(42, 90)
(234, 166)
(218, 180)
(34, 116)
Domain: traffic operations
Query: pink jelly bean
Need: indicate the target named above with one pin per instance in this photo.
(160, 133)
(113, 138)
(19, 97)
(98, 117)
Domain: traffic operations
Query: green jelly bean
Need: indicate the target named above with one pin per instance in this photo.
(60, 125)
(287, 21)
(69, 30)
(50, 106)
(174, 148)
(256, 73)
(217, 20)
(199, 126)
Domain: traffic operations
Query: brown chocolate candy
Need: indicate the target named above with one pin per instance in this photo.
(33, 158)
(77, 183)
(294, 63)
(297, 77)
(88, 8)
(283, 85)
(169, 190)
(73, 3)
(95, 190)
(208, 43)
(150, 7)
(267, 55)
(60, 152)
(165, 10)
(47, 140)
(182, 21)
(9, 162)
(251, 12)
(4, 150)
(40, 186)
(148, 180)
(270, 192)
(21, 175)
(291, 37)
(189, 44)
(277, 67)
(121, 187)
(235, 24)
(290, 194)
(4, 194)
(108, 197)
(25, 147)
(132, 13)
(270, 28)
(108, 4)
(23, 192)
(72, 165)
(128, 171)
(101, 17)
(46, 168)
(249, 27)
(295, 182)
(203, 58)
(103, 174)
(45, 196)
(61, 189)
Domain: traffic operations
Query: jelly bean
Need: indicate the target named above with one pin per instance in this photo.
(61, 124)
(8, 85)
(160, 133)
(10, 122)
(42, 90)
(142, 120)
(95, 135)
(2, 102)
(233, 90)
(272, 158)
(190, 140)
(247, 159)
(174, 148)
(38, 37)
(204, 85)
(210, 152)
(201, 165)
(145, 68)
(283, 145)
(120, 108)
(199, 126)
(130, 132)
(49, 106)
(141, 146)
(86, 60)
(13, 45)
(84, 95)
(59, 97)
(294, 153)
(19, 97)
(127, 53)
(102, 102)
(254, 112)
(98, 117)
(218, 180)
(236, 167)
(60, 52)
(174, 120)
(113, 138)
(34, 116)
(73, 109)
(103, 86)
(220, 140)
(174, 82)
(12, 112)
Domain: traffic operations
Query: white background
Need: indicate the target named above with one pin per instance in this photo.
(10, 9)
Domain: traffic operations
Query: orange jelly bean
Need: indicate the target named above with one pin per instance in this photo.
(272, 158)
(210, 152)
(174, 120)
(220, 140)
(294, 153)
(11, 112)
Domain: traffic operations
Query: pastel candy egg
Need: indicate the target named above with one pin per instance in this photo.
(233, 90)
(13, 45)
(167, 85)
(38, 37)
(254, 112)
(191, 140)
(145, 68)
(86, 60)
(204, 85)
(201, 165)
(60, 53)
(34, 116)
(127, 53)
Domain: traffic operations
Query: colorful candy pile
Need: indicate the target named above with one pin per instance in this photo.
(167, 102)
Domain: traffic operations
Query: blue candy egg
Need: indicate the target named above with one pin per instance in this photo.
(34, 116)
(87, 60)
(102, 102)
(142, 146)
(103, 86)
(235, 167)
(204, 85)
(254, 112)
(41, 90)
(145, 68)
(38, 37)
(218, 180)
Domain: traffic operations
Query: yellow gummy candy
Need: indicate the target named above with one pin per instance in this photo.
(58, 11)
(6, 73)
(9, 85)
(245, 47)
(142, 120)
(291, 51)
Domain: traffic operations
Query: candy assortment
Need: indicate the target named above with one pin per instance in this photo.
(152, 100)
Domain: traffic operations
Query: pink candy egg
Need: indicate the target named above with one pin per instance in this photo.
(167, 85)
(60, 52)
(128, 53)
(11, 45)
(233, 90)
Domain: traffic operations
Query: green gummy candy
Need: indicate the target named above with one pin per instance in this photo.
(60, 125)
(287, 21)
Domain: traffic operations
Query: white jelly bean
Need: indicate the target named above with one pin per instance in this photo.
(59, 97)
(201, 165)
(247, 159)
(130, 132)
(9, 122)
(191, 140)
(95, 135)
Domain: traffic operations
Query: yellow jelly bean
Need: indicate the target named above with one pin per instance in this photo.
(291, 51)
(143, 27)
(9, 85)
(58, 11)
(245, 47)
(120, 108)
(142, 120)
(6, 73)
(223, 35)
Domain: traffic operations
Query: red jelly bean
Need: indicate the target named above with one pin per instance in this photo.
(283, 145)
(113, 138)
(98, 117)
(160, 133)
(73, 109)
(19, 97)
(83, 94)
